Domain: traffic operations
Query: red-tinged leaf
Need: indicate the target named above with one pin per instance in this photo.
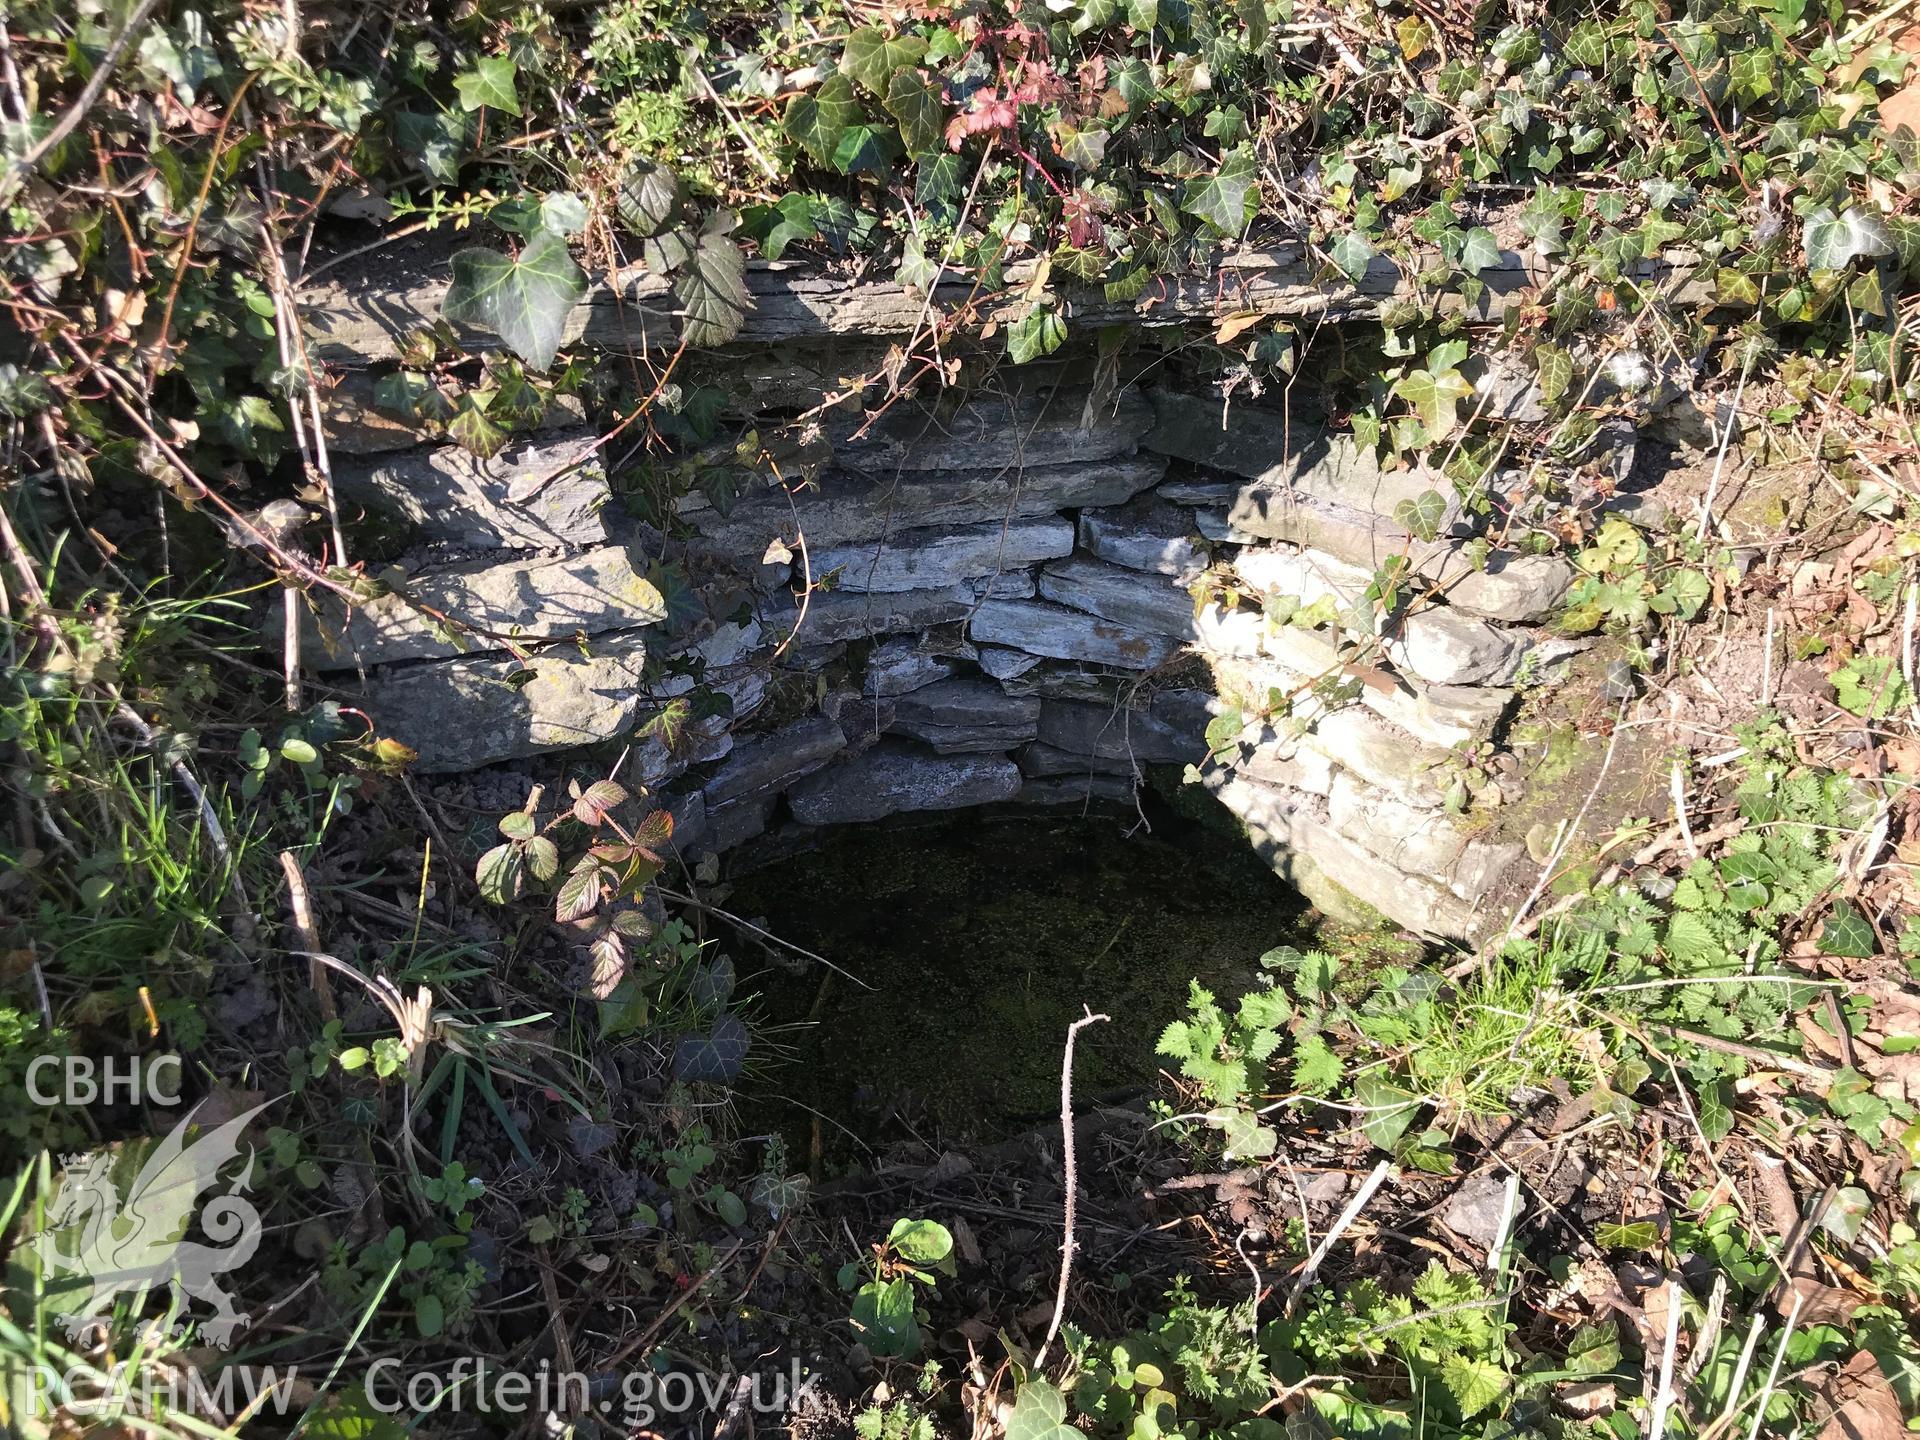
(596, 800)
(653, 832)
(612, 852)
(609, 965)
(580, 893)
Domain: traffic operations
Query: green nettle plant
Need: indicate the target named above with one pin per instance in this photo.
(885, 1306)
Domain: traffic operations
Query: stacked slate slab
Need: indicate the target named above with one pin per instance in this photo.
(1004, 611)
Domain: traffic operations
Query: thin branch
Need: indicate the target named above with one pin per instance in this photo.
(1072, 1180)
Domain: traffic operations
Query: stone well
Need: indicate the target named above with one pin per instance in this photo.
(1011, 617)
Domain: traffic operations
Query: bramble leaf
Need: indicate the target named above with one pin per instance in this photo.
(649, 198)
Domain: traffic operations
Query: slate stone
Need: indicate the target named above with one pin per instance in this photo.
(770, 762)
(994, 431)
(1041, 761)
(966, 715)
(930, 559)
(1145, 534)
(1279, 455)
(537, 495)
(1063, 634)
(1136, 599)
(843, 509)
(894, 777)
(1166, 731)
(899, 665)
(533, 599)
(465, 713)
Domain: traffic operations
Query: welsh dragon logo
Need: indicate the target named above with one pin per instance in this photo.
(138, 1242)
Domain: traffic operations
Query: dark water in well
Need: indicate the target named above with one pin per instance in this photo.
(982, 935)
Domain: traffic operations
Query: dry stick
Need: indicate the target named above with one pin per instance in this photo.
(300, 900)
(1073, 1178)
(1347, 1217)
(1663, 1399)
(1720, 459)
(1773, 1371)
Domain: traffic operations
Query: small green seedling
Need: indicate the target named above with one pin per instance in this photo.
(883, 1308)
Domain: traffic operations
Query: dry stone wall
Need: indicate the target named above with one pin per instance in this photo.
(1011, 618)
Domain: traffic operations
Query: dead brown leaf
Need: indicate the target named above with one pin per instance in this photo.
(1819, 1304)
(1860, 1403)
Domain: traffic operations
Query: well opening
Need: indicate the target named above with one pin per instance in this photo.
(1008, 917)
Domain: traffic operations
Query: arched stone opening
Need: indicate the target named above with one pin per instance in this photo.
(1027, 597)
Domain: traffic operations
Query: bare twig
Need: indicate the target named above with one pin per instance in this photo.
(1072, 1180)
(1339, 1227)
(300, 901)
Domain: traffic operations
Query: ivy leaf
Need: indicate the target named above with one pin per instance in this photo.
(1142, 15)
(474, 431)
(1480, 250)
(436, 142)
(1040, 1413)
(714, 1058)
(1846, 933)
(1435, 398)
(489, 83)
(1716, 1110)
(1246, 1137)
(1832, 242)
(1554, 367)
(866, 149)
(712, 290)
(525, 301)
(818, 119)
(915, 101)
(1082, 147)
(1039, 332)
(1388, 1110)
(1423, 514)
(1352, 254)
(1225, 198)
(871, 57)
(649, 198)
